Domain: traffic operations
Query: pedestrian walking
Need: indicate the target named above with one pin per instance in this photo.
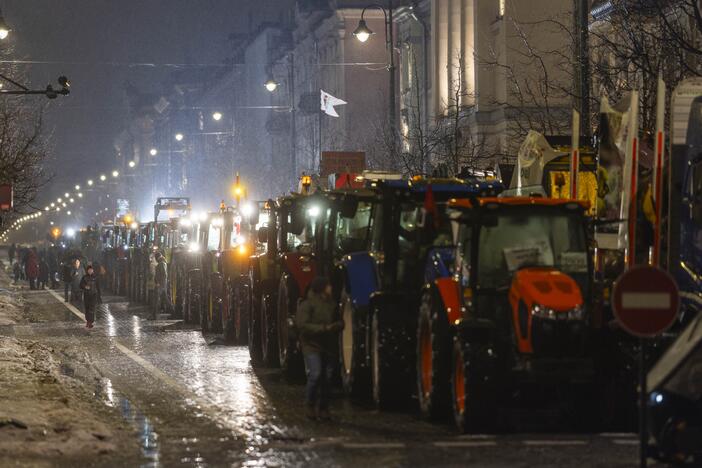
(53, 262)
(319, 326)
(90, 285)
(17, 271)
(162, 301)
(43, 273)
(66, 275)
(77, 273)
(32, 268)
(11, 253)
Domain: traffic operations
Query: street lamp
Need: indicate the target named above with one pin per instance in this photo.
(217, 116)
(90, 182)
(132, 164)
(154, 151)
(115, 173)
(179, 137)
(363, 33)
(103, 177)
(271, 85)
(4, 28)
(77, 187)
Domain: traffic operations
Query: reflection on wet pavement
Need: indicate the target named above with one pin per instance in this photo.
(148, 438)
(210, 407)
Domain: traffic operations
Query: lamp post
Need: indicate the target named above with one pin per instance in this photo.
(363, 33)
(4, 28)
(272, 85)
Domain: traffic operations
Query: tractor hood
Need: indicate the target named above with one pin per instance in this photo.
(546, 287)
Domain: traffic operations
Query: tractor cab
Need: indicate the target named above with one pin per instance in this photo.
(516, 310)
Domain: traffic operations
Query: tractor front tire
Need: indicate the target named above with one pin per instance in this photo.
(433, 357)
(269, 342)
(355, 375)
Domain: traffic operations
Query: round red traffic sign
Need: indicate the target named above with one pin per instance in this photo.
(645, 301)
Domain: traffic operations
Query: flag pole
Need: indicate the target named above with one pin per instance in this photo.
(658, 170)
(575, 155)
(632, 175)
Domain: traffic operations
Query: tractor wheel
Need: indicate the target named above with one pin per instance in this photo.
(433, 357)
(355, 376)
(254, 333)
(389, 386)
(269, 342)
(206, 315)
(289, 353)
(473, 402)
(241, 311)
(228, 325)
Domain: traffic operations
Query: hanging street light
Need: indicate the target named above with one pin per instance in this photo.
(217, 116)
(271, 85)
(4, 28)
(363, 32)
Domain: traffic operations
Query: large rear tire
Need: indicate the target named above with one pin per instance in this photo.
(473, 402)
(242, 310)
(433, 358)
(355, 375)
(269, 340)
(227, 316)
(388, 377)
(254, 332)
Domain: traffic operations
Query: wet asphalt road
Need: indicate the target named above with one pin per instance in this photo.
(196, 403)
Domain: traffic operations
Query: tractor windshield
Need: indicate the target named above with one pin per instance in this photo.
(525, 236)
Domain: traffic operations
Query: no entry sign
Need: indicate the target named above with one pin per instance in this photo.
(645, 301)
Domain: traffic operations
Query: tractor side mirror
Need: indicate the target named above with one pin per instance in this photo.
(297, 222)
(263, 234)
(348, 208)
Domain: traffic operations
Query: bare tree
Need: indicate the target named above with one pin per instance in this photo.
(23, 151)
(448, 144)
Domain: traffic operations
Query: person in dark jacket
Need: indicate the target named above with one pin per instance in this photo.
(17, 271)
(66, 276)
(43, 273)
(90, 285)
(31, 267)
(319, 327)
(77, 273)
(161, 281)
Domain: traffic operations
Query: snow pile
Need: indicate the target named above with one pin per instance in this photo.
(46, 415)
(11, 306)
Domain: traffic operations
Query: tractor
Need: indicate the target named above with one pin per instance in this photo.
(515, 318)
(390, 241)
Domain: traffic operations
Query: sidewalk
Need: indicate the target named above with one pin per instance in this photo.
(49, 415)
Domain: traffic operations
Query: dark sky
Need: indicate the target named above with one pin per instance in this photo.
(99, 45)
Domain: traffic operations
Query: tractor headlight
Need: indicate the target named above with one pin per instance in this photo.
(543, 312)
(576, 313)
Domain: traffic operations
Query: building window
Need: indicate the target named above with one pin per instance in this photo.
(501, 12)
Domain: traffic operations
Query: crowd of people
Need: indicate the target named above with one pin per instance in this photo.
(45, 269)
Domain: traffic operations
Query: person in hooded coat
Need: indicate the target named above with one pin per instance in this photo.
(92, 296)
(319, 327)
(31, 267)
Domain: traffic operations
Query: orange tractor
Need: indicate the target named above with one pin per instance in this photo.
(514, 322)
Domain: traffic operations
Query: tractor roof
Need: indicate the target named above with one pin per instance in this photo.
(464, 203)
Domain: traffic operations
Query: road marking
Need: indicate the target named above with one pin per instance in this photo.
(554, 442)
(465, 443)
(68, 305)
(626, 441)
(476, 436)
(205, 405)
(373, 445)
(645, 300)
(618, 434)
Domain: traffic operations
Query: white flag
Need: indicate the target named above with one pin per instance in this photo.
(328, 103)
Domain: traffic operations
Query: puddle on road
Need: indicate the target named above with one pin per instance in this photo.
(148, 437)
